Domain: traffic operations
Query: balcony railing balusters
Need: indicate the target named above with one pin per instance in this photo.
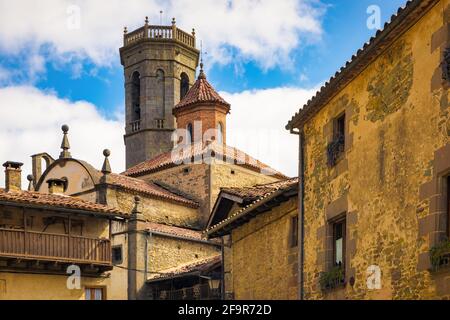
(48, 246)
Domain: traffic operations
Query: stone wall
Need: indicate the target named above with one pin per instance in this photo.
(396, 127)
(158, 95)
(22, 286)
(261, 263)
(155, 210)
(166, 252)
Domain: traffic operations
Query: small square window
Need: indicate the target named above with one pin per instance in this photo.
(117, 256)
(339, 128)
(95, 294)
(294, 232)
(339, 231)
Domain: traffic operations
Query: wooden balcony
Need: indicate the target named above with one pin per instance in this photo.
(57, 248)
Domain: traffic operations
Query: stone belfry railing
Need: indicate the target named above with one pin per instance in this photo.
(156, 33)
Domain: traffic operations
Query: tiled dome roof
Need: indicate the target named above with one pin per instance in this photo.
(201, 92)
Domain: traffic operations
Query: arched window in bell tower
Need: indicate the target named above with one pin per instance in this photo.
(184, 85)
(136, 96)
(190, 132)
(220, 133)
(160, 94)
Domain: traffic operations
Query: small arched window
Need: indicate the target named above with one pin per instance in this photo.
(160, 93)
(184, 85)
(190, 132)
(136, 96)
(220, 133)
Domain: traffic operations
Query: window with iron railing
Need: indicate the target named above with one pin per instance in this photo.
(336, 147)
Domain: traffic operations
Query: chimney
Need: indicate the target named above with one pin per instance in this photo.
(56, 186)
(13, 176)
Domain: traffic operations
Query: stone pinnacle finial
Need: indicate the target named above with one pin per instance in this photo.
(106, 169)
(174, 22)
(65, 146)
(201, 75)
(146, 20)
(137, 211)
(30, 179)
(125, 30)
(193, 32)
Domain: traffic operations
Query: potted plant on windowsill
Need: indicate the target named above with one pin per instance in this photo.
(333, 278)
(440, 256)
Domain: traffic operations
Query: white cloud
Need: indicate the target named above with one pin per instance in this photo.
(262, 30)
(30, 123)
(257, 125)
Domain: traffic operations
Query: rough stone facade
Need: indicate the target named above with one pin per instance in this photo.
(160, 64)
(202, 182)
(389, 182)
(167, 252)
(260, 262)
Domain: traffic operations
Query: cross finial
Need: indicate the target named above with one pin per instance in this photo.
(65, 146)
(201, 74)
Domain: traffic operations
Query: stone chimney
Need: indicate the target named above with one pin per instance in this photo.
(13, 176)
(56, 186)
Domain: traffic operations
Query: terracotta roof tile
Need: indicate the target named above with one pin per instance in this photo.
(148, 188)
(199, 152)
(173, 230)
(258, 191)
(258, 194)
(201, 92)
(400, 22)
(56, 201)
(202, 265)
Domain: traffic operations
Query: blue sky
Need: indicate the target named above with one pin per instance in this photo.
(345, 32)
(279, 50)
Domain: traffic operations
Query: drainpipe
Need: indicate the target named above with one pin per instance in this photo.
(301, 211)
(148, 236)
(222, 286)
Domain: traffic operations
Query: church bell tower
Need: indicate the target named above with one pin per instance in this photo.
(159, 67)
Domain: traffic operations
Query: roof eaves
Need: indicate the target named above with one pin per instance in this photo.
(370, 51)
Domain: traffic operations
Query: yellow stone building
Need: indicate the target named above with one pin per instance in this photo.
(53, 246)
(259, 225)
(375, 159)
(177, 161)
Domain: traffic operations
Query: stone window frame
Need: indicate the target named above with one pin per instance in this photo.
(116, 262)
(341, 165)
(333, 211)
(434, 226)
(330, 245)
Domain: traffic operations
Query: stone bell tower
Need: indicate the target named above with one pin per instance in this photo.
(159, 66)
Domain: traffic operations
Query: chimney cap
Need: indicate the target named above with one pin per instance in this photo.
(13, 165)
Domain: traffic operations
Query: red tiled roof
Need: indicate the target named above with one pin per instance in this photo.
(173, 230)
(151, 189)
(257, 195)
(56, 201)
(201, 265)
(199, 152)
(258, 191)
(201, 92)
